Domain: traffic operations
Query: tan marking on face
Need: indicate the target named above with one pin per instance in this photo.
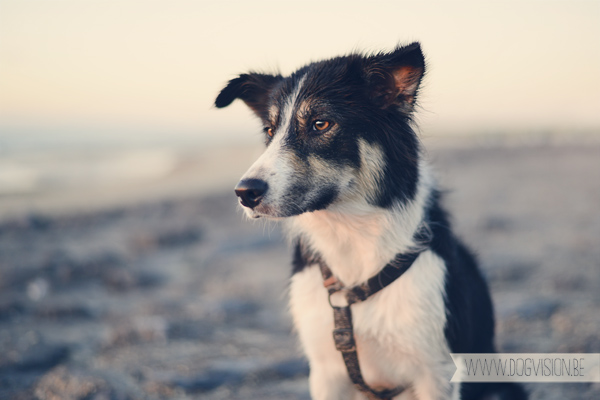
(273, 111)
(304, 113)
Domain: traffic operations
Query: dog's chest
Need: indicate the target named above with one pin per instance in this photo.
(399, 331)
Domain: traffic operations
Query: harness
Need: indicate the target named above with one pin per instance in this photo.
(343, 332)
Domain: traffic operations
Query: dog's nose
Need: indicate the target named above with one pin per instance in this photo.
(251, 191)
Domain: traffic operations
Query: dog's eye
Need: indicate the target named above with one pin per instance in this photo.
(321, 125)
(269, 131)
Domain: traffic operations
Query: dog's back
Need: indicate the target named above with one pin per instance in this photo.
(343, 169)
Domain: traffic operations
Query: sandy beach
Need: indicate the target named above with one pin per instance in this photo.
(154, 285)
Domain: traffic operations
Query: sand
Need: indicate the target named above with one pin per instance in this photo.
(158, 288)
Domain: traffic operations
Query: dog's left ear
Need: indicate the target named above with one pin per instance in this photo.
(394, 78)
(252, 88)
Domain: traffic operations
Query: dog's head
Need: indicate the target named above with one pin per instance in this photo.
(337, 131)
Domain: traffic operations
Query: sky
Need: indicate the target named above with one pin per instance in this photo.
(94, 70)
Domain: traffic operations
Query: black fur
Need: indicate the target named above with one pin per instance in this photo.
(469, 311)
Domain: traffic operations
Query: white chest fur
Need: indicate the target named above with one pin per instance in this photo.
(399, 332)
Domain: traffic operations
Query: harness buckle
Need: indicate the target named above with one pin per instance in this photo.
(338, 297)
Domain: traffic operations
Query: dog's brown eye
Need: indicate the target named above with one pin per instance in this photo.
(270, 132)
(321, 125)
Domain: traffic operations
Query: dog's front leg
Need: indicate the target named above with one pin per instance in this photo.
(331, 383)
(313, 318)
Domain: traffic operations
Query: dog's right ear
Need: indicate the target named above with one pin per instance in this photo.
(394, 78)
(253, 89)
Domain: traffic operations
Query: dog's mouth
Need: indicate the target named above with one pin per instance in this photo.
(267, 211)
(259, 211)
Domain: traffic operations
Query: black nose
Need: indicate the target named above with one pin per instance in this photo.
(251, 191)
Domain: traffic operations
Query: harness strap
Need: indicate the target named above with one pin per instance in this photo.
(343, 332)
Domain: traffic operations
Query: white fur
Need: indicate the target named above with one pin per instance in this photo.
(357, 239)
(274, 166)
(400, 330)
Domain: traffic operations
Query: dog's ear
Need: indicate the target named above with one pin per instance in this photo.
(252, 88)
(394, 78)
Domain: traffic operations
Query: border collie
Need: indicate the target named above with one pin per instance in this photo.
(344, 172)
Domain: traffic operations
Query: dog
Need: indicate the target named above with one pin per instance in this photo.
(344, 171)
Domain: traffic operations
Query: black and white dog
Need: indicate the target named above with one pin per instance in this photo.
(344, 172)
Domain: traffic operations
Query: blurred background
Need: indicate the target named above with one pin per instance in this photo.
(101, 92)
(126, 271)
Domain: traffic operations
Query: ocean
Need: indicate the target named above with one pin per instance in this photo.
(56, 172)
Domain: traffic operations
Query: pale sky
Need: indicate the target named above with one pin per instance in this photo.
(135, 68)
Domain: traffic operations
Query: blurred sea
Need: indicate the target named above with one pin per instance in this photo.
(54, 172)
(36, 162)
(34, 171)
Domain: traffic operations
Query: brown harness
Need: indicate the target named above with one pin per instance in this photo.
(343, 332)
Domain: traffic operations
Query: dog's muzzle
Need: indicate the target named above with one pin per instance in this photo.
(251, 191)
